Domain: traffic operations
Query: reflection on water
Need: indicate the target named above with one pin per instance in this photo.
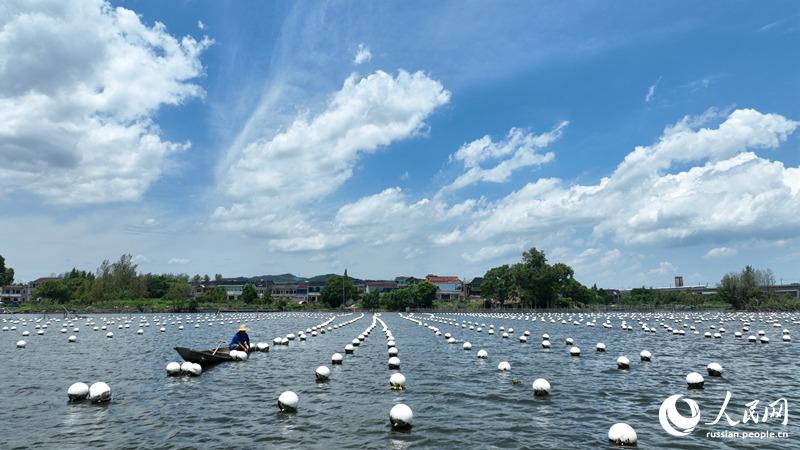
(459, 401)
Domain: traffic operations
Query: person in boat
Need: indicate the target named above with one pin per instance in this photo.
(240, 341)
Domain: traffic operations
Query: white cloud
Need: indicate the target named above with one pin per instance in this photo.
(386, 206)
(493, 252)
(651, 91)
(80, 83)
(612, 256)
(664, 268)
(271, 178)
(720, 252)
(733, 192)
(179, 261)
(150, 222)
(362, 55)
(201, 25)
(140, 259)
(411, 252)
(447, 238)
(517, 150)
(389, 216)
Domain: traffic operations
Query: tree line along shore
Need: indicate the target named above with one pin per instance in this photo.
(531, 283)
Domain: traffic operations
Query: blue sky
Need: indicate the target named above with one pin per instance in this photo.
(634, 141)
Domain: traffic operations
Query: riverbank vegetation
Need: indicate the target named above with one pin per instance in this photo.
(532, 283)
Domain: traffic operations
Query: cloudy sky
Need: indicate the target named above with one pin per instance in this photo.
(632, 140)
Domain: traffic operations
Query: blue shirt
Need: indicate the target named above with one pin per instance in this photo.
(239, 338)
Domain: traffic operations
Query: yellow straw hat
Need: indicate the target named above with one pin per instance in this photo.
(242, 327)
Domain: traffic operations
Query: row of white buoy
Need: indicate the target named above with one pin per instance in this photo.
(96, 393)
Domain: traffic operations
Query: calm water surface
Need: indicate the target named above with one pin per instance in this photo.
(458, 400)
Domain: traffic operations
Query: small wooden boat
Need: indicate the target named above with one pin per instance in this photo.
(205, 357)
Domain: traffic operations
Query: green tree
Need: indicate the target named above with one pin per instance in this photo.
(53, 290)
(79, 283)
(399, 299)
(337, 290)
(538, 283)
(249, 294)
(156, 286)
(215, 295)
(424, 293)
(729, 290)
(498, 284)
(576, 292)
(267, 298)
(124, 279)
(101, 287)
(371, 300)
(179, 293)
(6, 273)
(218, 277)
(747, 289)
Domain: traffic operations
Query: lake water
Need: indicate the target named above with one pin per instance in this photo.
(458, 400)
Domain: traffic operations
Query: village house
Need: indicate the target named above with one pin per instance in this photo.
(447, 287)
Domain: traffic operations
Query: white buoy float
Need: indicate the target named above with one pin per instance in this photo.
(622, 434)
(575, 351)
(401, 416)
(483, 354)
(173, 369)
(504, 366)
(541, 387)
(545, 344)
(348, 349)
(21, 344)
(393, 351)
(397, 381)
(644, 355)
(287, 401)
(714, 369)
(72, 338)
(394, 362)
(78, 392)
(191, 369)
(600, 347)
(99, 392)
(695, 380)
(109, 335)
(623, 362)
(336, 358)
(467, 346)
(322, 373)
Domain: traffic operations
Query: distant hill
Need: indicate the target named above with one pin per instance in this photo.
(283, 278)
(291, 278)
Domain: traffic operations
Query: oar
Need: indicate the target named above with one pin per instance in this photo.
(218, 345)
